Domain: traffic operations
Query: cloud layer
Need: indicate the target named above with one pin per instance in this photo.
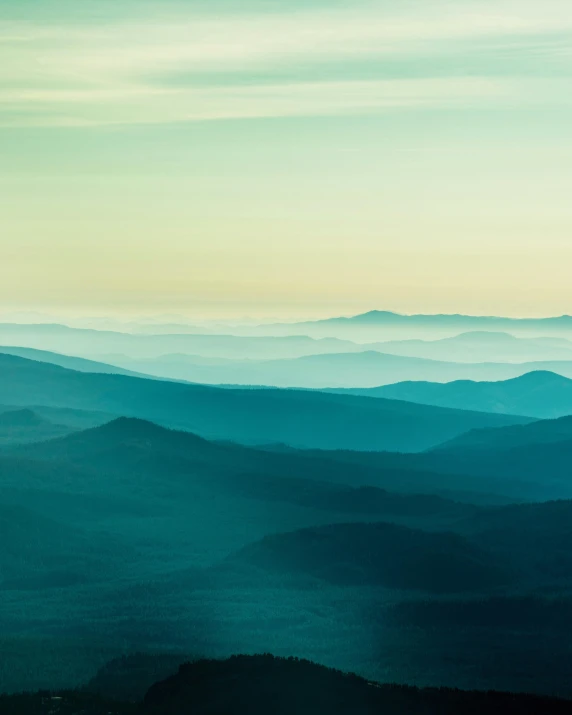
(178, 64)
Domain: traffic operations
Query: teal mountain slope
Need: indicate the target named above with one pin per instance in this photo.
(482, 346)
(538, 393)
(299, 418)
(539, 432)
(342, 370)
(20, 426)
(67, 361)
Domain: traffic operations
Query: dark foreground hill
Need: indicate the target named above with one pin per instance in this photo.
(287, 686)
(539, 394)
(368, 368)
(263, 684)
(295, 417)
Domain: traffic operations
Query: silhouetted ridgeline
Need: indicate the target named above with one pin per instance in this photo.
(539, 394)
(300, 418)
(263, 684)
(371, 325)
(68, 361)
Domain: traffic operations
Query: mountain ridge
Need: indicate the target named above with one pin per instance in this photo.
(302, 418)
(540, 394)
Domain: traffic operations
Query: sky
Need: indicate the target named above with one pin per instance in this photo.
(285, 159)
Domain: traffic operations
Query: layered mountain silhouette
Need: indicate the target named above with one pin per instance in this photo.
(540, 432)
(533, 464)
(130, 446)
(367, 368)
(410, 541)
(206, 540)
(482, 346)
(67, 361)
(378, 324)
(539, 394)
(98, 344)
(299, 418)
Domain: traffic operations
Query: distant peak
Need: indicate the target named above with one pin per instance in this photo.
(478, 335)
(377, 314)
(541, 377)
(20, 418)
(131, 423)
(135, 428)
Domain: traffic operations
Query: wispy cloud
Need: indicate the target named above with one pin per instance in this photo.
(100, 75)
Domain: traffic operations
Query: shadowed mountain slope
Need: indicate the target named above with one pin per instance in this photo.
(129, 446)
(382, 554)
(21, 426)
(529, 544)
(300, 418)
(540, 432)
(525, 471)
(67, 361)
(38, 551)
(535, 538)
(364, 369)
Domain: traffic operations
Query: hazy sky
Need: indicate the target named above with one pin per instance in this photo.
(286, 158)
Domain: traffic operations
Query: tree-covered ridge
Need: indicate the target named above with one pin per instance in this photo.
(261, 684)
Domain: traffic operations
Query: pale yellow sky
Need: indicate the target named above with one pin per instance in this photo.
(315, 160)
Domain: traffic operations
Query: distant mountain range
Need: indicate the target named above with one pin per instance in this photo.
(99, 343)
(376, 323)
(482, 346)
(444, 338)
(350, 370)
(299, 418)
(539, 394)
(356, 371)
